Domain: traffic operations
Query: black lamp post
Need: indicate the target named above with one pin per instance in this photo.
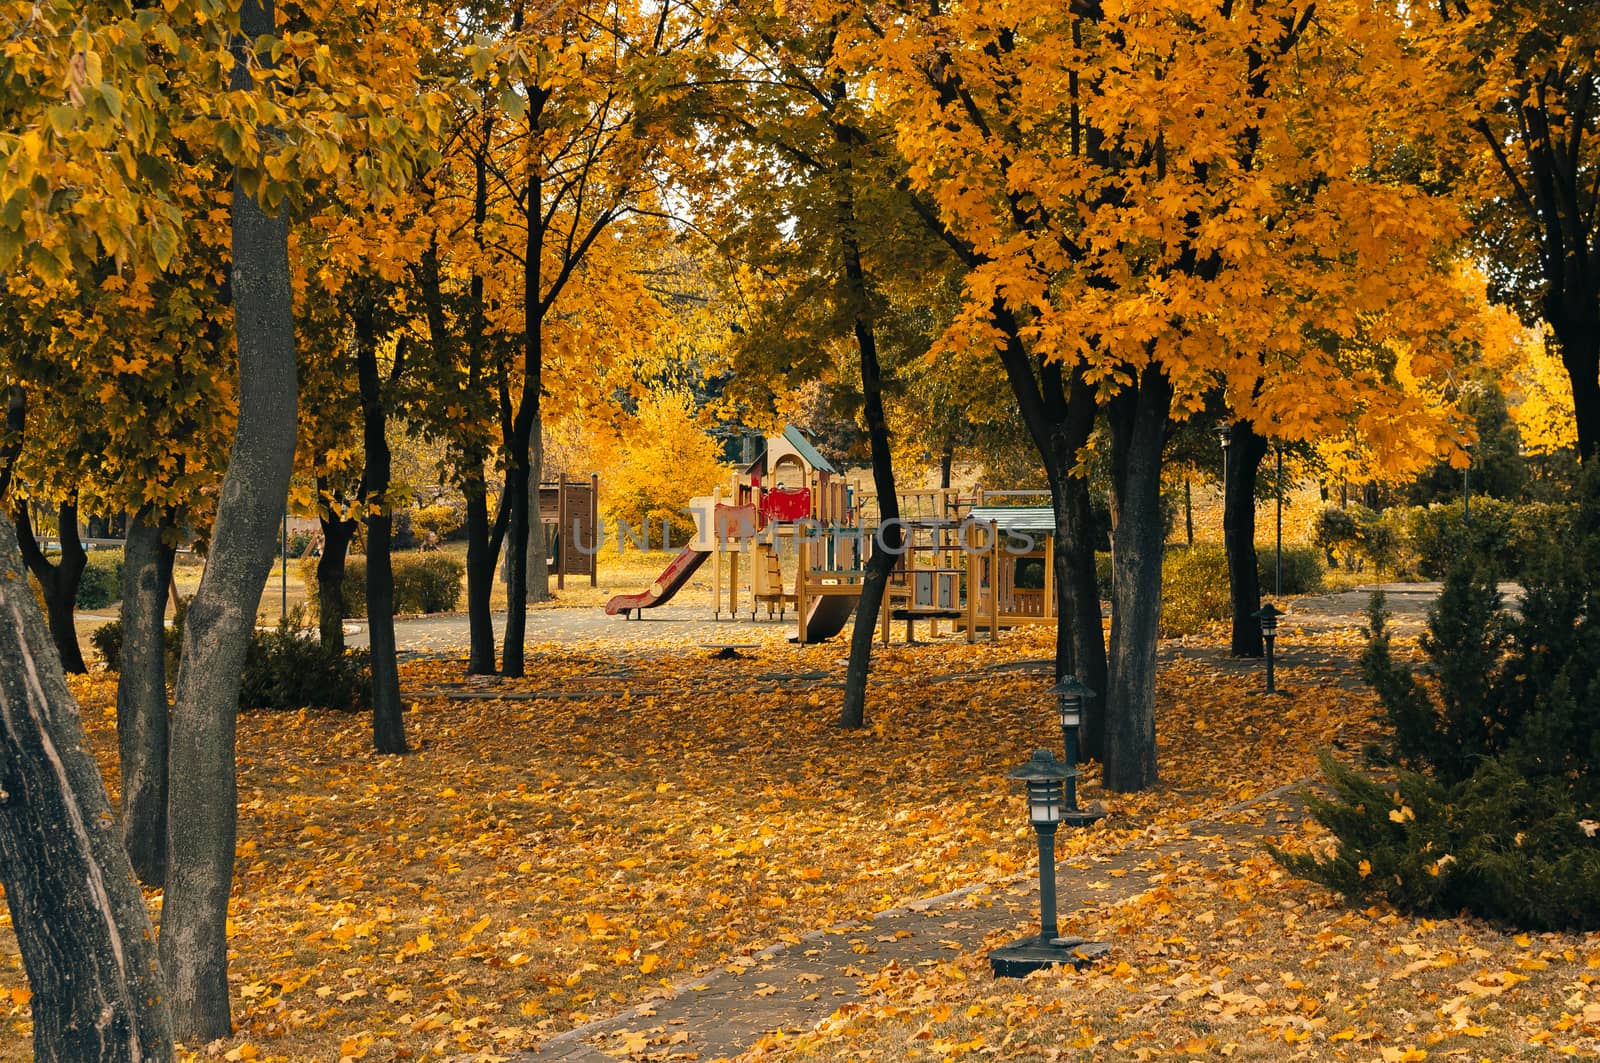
(1072, 695)
(1269, 631)
(1044, 776)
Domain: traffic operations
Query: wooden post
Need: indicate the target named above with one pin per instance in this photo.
(563, 533)
(972, 588)
(994, 582)
(594, 528)
(1050, 576)
(716, 568)
(802, 572)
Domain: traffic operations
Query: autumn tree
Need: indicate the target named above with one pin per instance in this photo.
(1524, 79)
(1157, 202)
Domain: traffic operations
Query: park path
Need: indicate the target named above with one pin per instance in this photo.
(789, 988)
(1408, 602)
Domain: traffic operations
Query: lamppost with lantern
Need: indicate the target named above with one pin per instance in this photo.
(1044, 775)
(1268, 616)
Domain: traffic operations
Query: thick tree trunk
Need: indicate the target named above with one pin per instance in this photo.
(58, 582)
(202, 813)
(528, 419)
(538, 562)
(332, 609)
(80, 920)
(388, 720)
(142, 708)
(1243, 458)
(1579, 340)
(1138, 418)
(1080, 636)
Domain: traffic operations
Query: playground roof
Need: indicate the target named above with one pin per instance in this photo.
(808, 452)
(1040, 519)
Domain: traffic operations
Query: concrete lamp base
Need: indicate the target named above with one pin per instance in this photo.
(1035, 953)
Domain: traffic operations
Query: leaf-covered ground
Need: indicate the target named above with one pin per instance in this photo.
(1229, 957)
(561, 846)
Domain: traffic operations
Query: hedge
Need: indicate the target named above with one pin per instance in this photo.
(423, 583)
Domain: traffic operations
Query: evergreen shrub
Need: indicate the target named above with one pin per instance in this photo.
(1493, 803)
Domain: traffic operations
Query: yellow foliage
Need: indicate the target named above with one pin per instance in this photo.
(650, 465)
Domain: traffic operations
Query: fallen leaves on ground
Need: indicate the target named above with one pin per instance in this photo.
(1231, 957)
(567, 845)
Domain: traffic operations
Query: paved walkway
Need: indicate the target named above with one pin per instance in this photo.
(790, 988)
(1408, 602)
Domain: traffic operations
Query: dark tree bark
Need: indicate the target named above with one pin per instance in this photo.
(81, 925)
(481, 553)
(947, 459)
(332, 609)
(1059, 415)
(1080, 636)
(526, 421)
(202, 813)
(142, 708)
(388, 720)
(1243, 457)
(16, 426)
(1138, 420)
(886, 550)
(58, 581)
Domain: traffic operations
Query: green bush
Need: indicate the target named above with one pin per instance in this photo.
(423, 582)
(107, 641)
(1359, 536)
(1195, 590)
(1303, 570)
(101, 582)
(287, 668)
(1498, 752)
(1498, 539)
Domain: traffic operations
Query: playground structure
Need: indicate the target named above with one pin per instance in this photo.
(570, 513)
(788, 493)
(975, 559)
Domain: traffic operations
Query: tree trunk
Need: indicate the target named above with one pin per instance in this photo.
(886, 550)
(947, 459)
(142, 708)
(1243, 459)
(59, 581)
(511, 660)
(388, 720)
(1080, 635)
(332, 609)
(474, 486)
(538, 561)
(202, 811)
(80, 920)
(1579, 340)
(480, 577)
(1188, 515)
(518, 443)
(1138, 418)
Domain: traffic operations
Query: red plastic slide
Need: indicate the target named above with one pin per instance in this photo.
(666, 585)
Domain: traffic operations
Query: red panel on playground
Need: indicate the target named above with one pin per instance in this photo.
(786, 504)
